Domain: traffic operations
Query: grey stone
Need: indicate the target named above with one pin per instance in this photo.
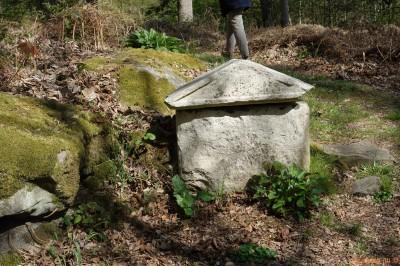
(358, 153)
(367, 185)
(221, 148)
(238, 82)
(31, 200)
(26, 238)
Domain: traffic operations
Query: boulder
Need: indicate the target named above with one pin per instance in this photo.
(221, 148)
(43, 145)
(367, 186)
(28, 238)
(31, 200)
(357, 153)
(147, 76)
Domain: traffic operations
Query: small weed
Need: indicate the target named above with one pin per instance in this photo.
(287, 190)
(393, 241)
(91, 217)
(186, 199)
(353, 229)
(77, 253)
(307, 234)
(58, 259)
(383, 196)
(151, 39)
(252, 253)
(376, 169)
(394, 116)
(361, 247)
(304, 53)
(327, 219)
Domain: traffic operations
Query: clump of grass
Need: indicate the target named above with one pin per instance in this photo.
(361, 247)
(323, 164)
(386, 173)
(353, 229)
(394, 116)
(327, 219)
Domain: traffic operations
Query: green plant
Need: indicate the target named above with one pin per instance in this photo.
(327, 219)
(353, 229)
(383, 196)
(304, 53)
(386, 172)
(90, 216)
(186, 199)
(394, 116)
(287, 189)
(77, 253)
(58, 259)
(252, 253)
(151, 39)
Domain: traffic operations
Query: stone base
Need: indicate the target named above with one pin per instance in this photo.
(220, 149)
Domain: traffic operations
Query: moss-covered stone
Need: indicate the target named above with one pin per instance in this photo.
(141, 88)
(101, 172)
(147, 76)
(41, 140)
(160, 60)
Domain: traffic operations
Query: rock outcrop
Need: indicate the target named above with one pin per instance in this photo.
(43, 150)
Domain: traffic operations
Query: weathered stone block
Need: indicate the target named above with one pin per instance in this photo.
(220, 148)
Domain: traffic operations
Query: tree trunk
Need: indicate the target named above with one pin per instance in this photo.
(266, 11)
(285, 13)
(185, 8)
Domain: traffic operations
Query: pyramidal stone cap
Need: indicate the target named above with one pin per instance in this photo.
(237, 82)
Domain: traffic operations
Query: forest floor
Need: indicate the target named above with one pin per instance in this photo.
(144, 226)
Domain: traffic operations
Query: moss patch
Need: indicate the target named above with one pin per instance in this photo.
(33, 134)
(10, 259)
(139, 87)
(177, 62)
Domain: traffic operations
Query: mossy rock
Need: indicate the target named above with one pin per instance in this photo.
(43, 143)
(147, 76)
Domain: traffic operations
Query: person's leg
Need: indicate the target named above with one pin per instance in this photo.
(230, 37)
(236, 22)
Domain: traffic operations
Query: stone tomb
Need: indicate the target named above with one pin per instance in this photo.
(234, 119)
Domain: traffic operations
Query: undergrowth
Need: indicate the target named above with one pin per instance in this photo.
(252, 254)
(288, 190)
(186, 199)
(151, 39)
(387, 173)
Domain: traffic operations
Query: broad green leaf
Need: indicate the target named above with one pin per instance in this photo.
(205, 196)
